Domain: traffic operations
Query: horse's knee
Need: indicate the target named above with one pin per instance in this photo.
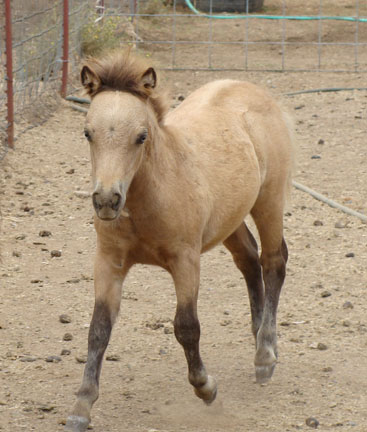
(187, 327)
(273, 266)
(248, 264)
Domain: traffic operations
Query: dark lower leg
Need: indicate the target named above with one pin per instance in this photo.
(243, 247)
(99, 335)
(187, 331)
(274, 274)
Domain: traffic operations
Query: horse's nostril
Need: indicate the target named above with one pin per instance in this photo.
(96, 204)
(116, 200)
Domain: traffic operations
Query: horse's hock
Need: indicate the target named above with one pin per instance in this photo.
(227, 5)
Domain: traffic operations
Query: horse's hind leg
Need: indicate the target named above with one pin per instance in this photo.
(268, 216)
(108, 278)
(243, 248)
(185, 271)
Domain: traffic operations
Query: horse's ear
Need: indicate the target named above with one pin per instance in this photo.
(149, 78)
(90, 80)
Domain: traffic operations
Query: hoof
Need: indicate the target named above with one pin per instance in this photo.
(264, 373)
(76, 424)
(208, 391)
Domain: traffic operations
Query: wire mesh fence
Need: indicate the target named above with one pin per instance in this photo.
(266, 35)
(317, 35)
(37, 59)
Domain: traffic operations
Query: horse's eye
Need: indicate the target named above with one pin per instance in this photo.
(141, 138)
(87, 135)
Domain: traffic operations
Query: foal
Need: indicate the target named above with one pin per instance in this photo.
(170, 186)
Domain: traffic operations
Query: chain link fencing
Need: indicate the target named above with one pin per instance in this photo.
(285, 35)
(317, 35)
(37, 60)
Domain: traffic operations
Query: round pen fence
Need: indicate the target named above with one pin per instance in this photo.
(42, 42)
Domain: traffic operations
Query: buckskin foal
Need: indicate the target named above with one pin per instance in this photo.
(170, 186)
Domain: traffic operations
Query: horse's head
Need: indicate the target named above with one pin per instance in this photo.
(118, 126)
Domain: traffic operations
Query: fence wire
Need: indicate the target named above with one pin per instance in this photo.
(317, 35)
(285, 35)
(3, 101)
(37, 42)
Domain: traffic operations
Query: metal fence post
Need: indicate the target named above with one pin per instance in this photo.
(9, 74)
(65, 55)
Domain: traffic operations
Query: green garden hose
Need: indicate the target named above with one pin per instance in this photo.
(275, 17)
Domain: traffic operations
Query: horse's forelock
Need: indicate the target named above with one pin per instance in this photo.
(124, 71)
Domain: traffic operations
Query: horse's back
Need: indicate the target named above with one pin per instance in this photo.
(228, 118)
(240, 145)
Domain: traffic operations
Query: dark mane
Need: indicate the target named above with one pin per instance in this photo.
(123, 71)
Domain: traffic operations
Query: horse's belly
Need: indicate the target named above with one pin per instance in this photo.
(224, 221)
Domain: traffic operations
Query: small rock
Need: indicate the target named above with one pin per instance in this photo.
(162, 351)
(65, 319)
(53, 359)
(70, 171)
(312, 422)
(67, 337)
(325, 294)
(340, 224)
(348, 305)
(16, 254)
(168, 330)
(45, 233)
(321, 346)
(321, 141)
(315, 157)
(181, 98)
(65, 352)
(34, 281)
(28, 359)
(318, 223)
(81, 358)
(113, 357)
(20, 237)
(327, 369)
(298, 107)
(155, 325)
(346, 323)
(73, 281)
(224, 323)
(56, 253)
(46, 407)
(82, 194)
(350, 255)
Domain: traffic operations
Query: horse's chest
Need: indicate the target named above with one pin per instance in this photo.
(152, 253)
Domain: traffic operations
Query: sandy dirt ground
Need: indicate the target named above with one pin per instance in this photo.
(322, 321)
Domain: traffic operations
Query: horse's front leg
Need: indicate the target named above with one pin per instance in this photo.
(108, 277)
(186, 275)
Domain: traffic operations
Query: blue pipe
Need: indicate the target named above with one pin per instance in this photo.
(275, 17)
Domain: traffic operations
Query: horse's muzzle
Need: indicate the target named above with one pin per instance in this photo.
(108, 203)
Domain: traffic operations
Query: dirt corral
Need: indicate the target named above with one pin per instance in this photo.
(48, 245)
